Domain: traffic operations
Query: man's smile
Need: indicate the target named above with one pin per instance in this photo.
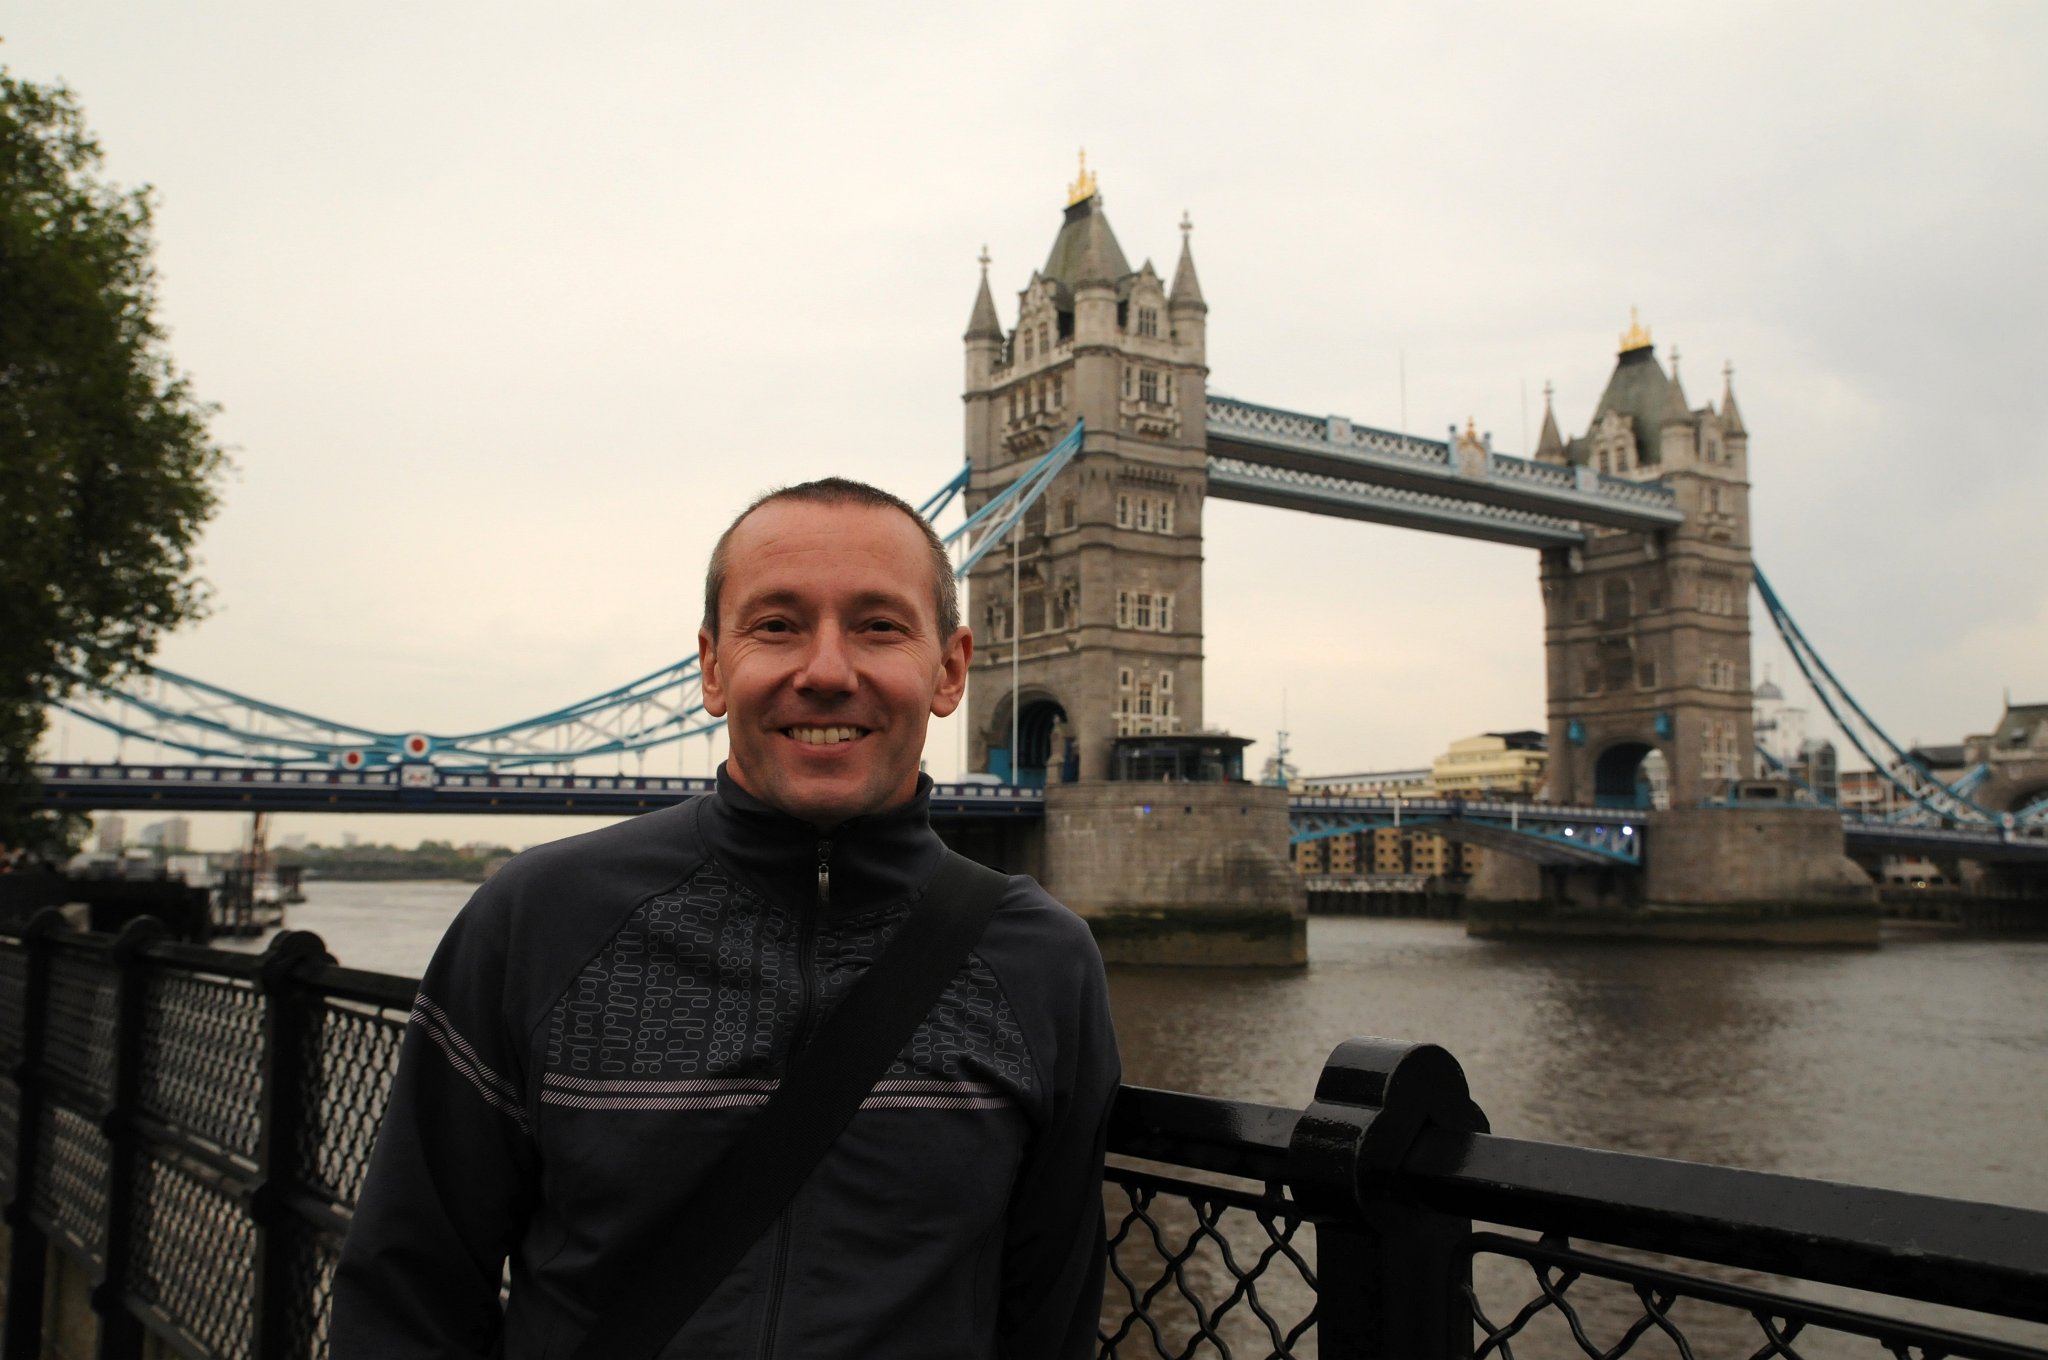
(825, 736)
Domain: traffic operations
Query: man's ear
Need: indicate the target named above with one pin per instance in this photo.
(707, 664)
(952, 673)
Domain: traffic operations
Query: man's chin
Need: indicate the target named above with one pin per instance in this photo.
(826, 806)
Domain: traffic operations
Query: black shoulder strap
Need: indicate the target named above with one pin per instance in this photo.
(665, 1283)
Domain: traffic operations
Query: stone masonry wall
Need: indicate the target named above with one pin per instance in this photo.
(1178, 873)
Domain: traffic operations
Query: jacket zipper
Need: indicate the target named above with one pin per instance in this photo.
(807, 931)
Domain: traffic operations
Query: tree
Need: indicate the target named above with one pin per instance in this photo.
(107, 471)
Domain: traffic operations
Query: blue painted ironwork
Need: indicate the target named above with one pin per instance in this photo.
(936, 503)
(1898, 766)
(991, 524)
(181, 713)
(1547, 833)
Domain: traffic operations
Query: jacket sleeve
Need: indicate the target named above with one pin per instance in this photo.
(455, 1170)
(1054, 1248)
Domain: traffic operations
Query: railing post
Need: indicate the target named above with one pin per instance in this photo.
(288, 1016)
(120, 1330)
(1390, 1274)
(28, 1250)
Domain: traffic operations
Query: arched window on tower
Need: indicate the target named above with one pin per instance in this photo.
(1044, 339)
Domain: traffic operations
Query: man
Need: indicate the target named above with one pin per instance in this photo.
(610, 1011)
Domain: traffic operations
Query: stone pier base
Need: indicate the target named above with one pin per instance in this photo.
(1754, 875)
(1178, 873)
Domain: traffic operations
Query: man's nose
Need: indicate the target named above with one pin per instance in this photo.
(828, 662)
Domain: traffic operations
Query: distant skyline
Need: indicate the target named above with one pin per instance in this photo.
(509, 308)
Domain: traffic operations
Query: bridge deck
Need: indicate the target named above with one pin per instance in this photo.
(417, 788)
(1523, 827)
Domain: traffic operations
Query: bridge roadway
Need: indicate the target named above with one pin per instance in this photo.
(421, 788)
(1546, 832)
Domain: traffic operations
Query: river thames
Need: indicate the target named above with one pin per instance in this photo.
(1921, 1065)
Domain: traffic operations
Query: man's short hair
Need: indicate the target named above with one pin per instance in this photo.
(840, 491)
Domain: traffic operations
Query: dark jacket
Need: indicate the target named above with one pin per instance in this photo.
(605, 1017)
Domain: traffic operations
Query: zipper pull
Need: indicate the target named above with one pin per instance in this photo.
(824, 873)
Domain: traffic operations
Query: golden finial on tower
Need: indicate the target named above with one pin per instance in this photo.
(1637, 336)
(1083, 186)
(984, 261)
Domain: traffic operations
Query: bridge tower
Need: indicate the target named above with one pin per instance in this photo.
(1646, 635)
(1646, 641)
(1105, 621)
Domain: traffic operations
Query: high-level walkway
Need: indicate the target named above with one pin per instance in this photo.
(1329, 465)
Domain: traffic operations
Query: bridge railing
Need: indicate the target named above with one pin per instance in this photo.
(186, 1129)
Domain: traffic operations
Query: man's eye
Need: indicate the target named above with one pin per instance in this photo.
(773, 626)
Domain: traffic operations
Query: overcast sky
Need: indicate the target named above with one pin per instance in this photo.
(509, 307)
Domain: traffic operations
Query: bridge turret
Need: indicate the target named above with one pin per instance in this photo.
(985, 357)
(984, 337)
(1549, 444)
(1733, 431)
(1185, 304)
(1674, 422)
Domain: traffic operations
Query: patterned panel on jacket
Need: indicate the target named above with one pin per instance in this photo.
(690, 1007)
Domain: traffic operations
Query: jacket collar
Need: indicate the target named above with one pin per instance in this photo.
(876, 860)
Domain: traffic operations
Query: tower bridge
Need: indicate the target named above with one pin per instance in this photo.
(1092, 448)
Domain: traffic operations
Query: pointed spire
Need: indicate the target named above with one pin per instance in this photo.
(1676, 412)
(1731, 415)
(1187, 289)
(984, 325)
(1549, 445)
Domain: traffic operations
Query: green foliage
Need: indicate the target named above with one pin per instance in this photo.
(107, 471)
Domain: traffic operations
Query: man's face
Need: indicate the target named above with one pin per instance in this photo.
(828, 664)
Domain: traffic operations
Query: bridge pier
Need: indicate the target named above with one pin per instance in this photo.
(1178, 873)
(1750, 875)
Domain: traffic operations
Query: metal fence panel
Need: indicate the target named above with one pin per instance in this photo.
(198, 1124)
(202, 1059)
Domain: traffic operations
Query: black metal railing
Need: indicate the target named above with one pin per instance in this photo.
(188, 1127)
